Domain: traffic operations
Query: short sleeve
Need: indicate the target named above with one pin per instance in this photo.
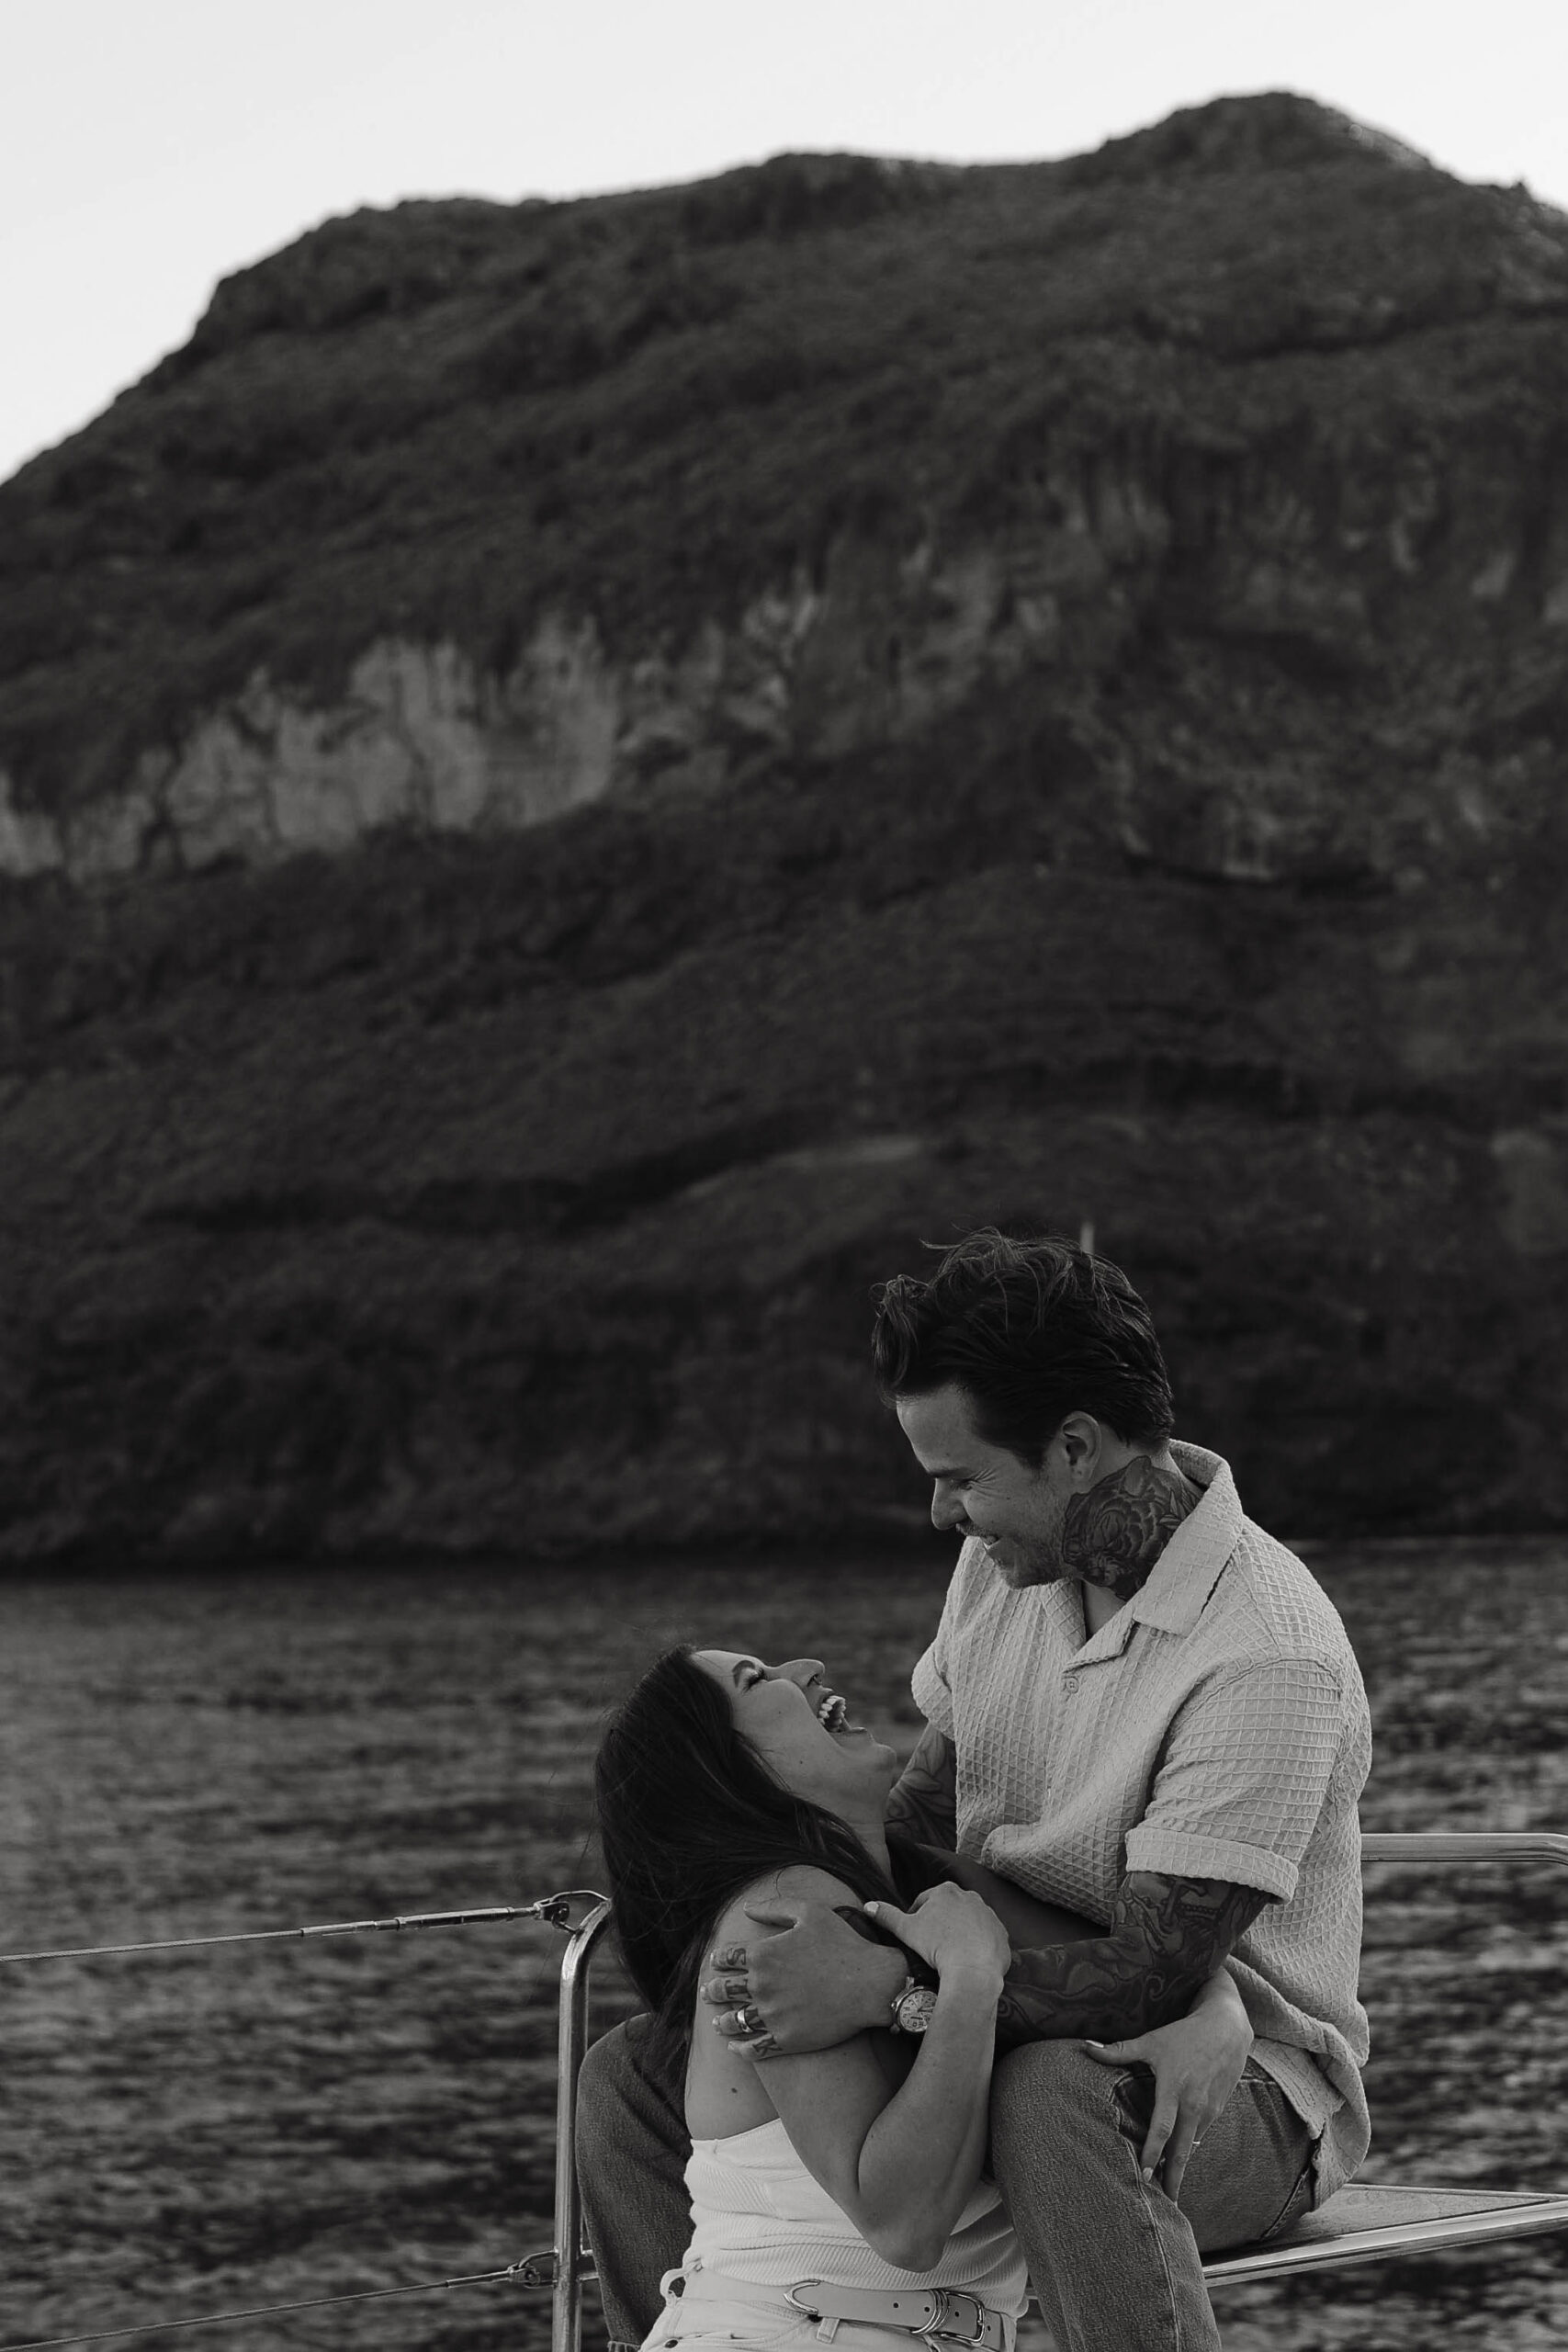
(1243, 1777)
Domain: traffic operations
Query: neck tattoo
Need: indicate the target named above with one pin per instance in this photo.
(1113, 1535)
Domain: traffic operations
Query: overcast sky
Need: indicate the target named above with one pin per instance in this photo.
(150, 146)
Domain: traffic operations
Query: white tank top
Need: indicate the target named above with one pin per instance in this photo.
(758, 2216)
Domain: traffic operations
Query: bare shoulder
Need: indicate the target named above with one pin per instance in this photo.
(806, 1883)
(727, 2094)
(800, 1884)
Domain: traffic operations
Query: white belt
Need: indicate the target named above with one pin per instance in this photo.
(942, 2315)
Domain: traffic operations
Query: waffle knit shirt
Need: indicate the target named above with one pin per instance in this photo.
(1216, 1727)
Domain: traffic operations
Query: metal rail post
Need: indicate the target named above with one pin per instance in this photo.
(1465, 1845)
(566, 2296)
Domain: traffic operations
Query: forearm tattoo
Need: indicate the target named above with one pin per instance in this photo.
(923, 1802)
(1113, 1535)
(1167, 1937)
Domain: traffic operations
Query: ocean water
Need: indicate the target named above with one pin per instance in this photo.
(218, 1752)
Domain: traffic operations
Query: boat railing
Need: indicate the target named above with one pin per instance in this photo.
(1362, 2223)
(536, 2270)
(1369, 2223)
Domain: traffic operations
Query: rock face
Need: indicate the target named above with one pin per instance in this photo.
(418, 742)
(578, 779)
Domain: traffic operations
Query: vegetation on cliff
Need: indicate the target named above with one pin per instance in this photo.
(523, 1194)
(442, 420)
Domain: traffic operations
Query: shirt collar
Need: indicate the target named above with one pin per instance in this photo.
(1172, 1596)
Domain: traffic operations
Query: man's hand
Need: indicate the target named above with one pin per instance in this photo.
(807, 1982)
(1196, 2063)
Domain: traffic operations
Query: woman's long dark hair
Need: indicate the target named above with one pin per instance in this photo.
(689, 1816)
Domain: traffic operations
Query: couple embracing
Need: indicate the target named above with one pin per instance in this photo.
(1071, 2000)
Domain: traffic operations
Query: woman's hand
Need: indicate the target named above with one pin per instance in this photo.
(958, 1934)
(1196, 2063)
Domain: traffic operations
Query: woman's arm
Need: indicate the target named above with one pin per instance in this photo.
(1196, 2061)
(901, 2159)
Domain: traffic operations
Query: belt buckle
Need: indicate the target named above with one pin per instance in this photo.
(951, 2309)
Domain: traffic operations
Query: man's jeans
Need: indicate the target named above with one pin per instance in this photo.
(1115, 2263)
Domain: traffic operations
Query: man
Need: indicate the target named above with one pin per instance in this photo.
(1142, 1709)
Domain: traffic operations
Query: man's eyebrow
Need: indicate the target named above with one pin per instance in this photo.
(948, 1470)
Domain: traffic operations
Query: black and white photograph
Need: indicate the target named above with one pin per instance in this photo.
(784, 1176)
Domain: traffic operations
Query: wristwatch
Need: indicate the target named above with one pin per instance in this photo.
(912, 2007)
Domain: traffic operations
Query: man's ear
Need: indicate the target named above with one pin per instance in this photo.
(1082, 1441)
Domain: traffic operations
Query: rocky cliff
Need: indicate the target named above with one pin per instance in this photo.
(579, 778)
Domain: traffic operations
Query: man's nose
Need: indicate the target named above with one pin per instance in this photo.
(946, 1508)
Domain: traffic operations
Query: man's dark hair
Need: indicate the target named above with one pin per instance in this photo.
(1031, 1331)
(690, 1815)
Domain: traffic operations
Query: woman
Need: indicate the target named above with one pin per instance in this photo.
(845, 2184)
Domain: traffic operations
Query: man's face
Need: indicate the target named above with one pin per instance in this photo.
(982, 1489)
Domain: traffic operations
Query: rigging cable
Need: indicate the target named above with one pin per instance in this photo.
(555, 1910)
(551, 1908)
(527, 2268)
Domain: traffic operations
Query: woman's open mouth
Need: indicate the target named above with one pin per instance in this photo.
(833, 1715)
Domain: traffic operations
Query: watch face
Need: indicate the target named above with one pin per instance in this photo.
(914, 2010)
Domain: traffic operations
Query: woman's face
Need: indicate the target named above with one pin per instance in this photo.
(794, 1721)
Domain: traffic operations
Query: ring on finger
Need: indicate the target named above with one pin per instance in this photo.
(748, 2017)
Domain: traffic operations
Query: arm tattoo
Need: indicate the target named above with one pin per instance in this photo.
(923, 1802)
(1113, 1535)
(1167, 1937)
